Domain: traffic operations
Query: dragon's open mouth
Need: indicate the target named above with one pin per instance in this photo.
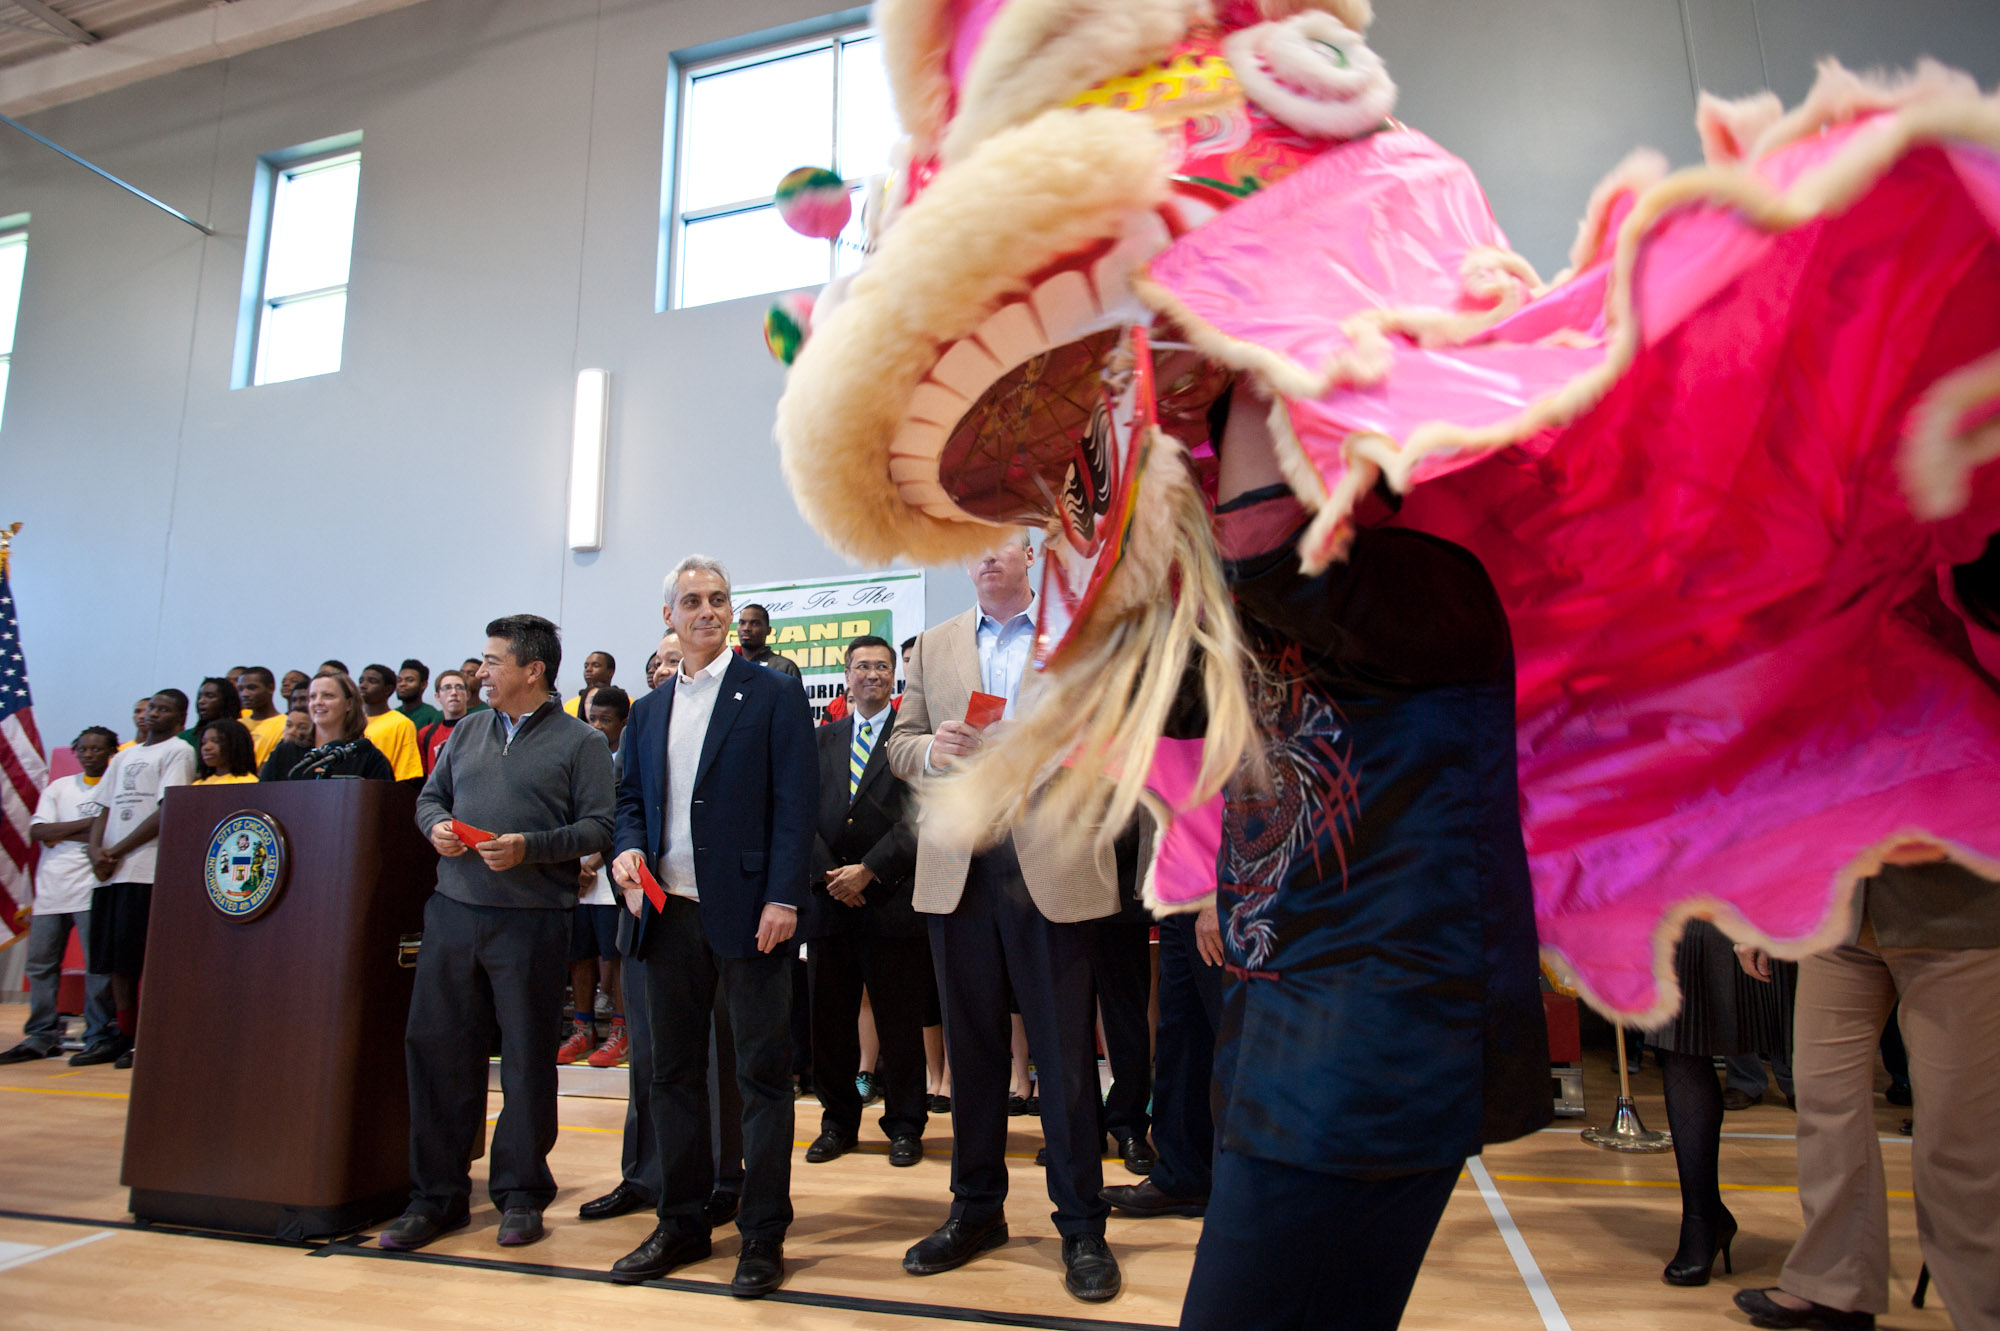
(1008, 425)
(1040, 416)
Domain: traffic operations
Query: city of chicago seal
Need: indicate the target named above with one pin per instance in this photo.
(245, 865)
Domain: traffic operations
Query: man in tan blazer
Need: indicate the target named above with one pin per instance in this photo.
(1017, 911)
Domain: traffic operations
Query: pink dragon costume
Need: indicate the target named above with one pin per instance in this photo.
(1713, 469)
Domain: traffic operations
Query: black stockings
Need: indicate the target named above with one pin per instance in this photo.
(1694, 1116)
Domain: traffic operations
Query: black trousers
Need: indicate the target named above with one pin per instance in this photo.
(1121, 966)
(1285, 1247)
(802, 1051)
(686, 983)
(995, 933)
(639, 1161)
(483, 967)
(1184, 1090)
(896, 972)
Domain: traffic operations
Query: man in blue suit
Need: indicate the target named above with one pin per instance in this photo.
(719, 799)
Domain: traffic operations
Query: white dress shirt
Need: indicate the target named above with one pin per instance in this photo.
(1004, 648)
(694, 704)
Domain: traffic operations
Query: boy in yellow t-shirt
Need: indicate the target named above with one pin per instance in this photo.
(389, 730)
(138, 723)
(256, 686)
(598, 668)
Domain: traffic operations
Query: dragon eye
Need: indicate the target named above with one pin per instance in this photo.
(1334, 53)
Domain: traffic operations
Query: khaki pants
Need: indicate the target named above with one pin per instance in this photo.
(1951, 1022)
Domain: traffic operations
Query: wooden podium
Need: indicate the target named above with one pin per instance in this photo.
(269, 1094)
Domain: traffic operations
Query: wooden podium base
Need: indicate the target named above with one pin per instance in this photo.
(271, 1098)
(234, 1215)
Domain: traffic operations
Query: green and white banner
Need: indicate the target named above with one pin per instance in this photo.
(812, 623)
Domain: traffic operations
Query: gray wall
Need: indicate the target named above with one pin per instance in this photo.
(506, 237)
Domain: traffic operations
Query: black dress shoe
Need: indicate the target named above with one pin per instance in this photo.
(414, 1229)
(25, 1052)
(1017, 1105)
(124, 1060)
(720, 1208)
(940, 1104)
(827, 1146)
(105, 1050)
(520, 1226)
(1898, 1092)
(905, 1150)
(1134, 1150)
(1146, 1199)
(1768, 1312)
(953, 1244)
(663, 1250)
(760, 1269)
(1090, 1272)
(1733, 1099)
(1042, 1157)
(621, 1200)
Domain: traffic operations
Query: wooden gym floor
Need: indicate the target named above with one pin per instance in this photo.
(1541, 1233)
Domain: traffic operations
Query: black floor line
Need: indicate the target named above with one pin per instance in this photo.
(153, 1227)
(351, 1247)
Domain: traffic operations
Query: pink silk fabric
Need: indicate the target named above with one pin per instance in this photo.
(1732, 692)
(969, 21)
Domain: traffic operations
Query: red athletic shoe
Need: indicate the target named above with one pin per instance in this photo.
(615, 1047)
(581, 1037)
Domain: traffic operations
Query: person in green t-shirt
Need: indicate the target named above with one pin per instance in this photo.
(411, 680)
(475, 683)
(215, 700)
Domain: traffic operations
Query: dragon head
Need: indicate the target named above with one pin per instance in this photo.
(998, 359)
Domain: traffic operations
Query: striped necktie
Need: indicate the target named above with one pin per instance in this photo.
(857, 757)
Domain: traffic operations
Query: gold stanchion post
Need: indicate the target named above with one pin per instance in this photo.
(1626, 1132)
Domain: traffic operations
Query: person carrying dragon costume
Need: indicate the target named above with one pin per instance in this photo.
(1707, 479)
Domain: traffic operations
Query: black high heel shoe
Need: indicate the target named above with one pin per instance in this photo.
(1695, 1261)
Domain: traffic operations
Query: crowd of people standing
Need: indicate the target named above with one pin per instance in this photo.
(751, 897)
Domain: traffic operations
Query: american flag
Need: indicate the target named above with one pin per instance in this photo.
(23, 770)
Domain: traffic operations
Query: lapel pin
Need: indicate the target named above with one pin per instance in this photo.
(739, 697)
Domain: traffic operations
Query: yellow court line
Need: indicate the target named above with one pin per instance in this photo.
(1498, 1178)
(1652, 1183)
(57, 1090)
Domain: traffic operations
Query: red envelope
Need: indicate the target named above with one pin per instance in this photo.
(984, 710)
(470, 835)
(654, 892)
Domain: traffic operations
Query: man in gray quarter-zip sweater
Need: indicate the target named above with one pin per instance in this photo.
(538, 783)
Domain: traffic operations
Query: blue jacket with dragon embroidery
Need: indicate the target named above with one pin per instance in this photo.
(1384, 1012)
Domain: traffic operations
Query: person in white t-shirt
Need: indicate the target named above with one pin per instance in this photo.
(124, 845)
(63, 884)
(593, 955)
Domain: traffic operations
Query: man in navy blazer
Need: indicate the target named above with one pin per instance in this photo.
(719, 800)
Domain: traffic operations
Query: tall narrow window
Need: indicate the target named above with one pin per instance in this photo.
(13, 263)
(305, 203)
(746, 120)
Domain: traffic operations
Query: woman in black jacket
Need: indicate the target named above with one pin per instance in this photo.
(340, 746)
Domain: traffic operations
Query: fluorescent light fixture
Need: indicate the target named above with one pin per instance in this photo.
(589, 438)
